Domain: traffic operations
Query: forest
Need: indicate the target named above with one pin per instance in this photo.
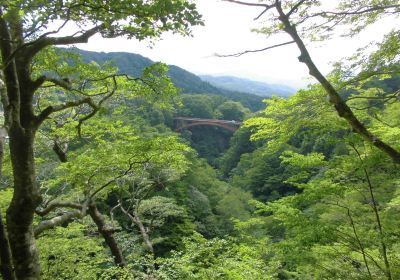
(97, 183)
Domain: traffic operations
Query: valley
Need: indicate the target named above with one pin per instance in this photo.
(116, 167)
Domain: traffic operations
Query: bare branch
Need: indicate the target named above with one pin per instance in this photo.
(250, 4)
(376, 117)
(261, 14)
(266, 6)
(359, 11)
(255, 51)
(59, 28)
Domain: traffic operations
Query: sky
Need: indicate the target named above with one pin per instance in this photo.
(226, 31)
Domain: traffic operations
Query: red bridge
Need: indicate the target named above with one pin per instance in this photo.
(183, 122)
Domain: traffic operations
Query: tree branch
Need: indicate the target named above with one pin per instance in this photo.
(360, 11)
(36, 46)
(56, 221)
(143, 231)
(107, 233)
(57, 204)
(130, 167)
(255, 51)
(250, 4)
(335, 99)
(357, 238)
(56, 108)
(64, 83)
(295, 7)
(95, 107)
(21, 47)
(61, 152)
(374, 206)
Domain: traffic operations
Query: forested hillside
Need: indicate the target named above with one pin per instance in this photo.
(134, 64)
(96, 181)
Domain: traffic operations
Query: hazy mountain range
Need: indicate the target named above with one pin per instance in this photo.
(248, 92)
(249, 86)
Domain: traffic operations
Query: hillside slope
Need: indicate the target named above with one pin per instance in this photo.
(133, 64)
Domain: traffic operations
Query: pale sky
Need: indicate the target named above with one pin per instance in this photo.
(227, 30)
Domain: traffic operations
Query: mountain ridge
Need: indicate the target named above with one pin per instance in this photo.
(189, 83)
(133, 64)
(247, 85)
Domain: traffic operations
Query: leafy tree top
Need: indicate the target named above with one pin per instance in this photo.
(136, 19)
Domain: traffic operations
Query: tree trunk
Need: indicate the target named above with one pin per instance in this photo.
(19, 121)
(22, 208)
(107, 233)
(143, 231)
(6, 267)
(379, 224)
(374, 206)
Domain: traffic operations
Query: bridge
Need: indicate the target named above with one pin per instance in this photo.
(183, 123)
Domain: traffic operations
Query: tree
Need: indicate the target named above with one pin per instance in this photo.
(28, 28)
(111, 163)
(198, 106)
(216, 258)
(239, 144)
(339, 224)
(231, 110)
(302, 18)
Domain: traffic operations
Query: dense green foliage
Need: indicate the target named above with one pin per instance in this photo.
(295, 193)
(319, 186)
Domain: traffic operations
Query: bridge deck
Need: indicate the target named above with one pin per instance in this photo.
(200, 120)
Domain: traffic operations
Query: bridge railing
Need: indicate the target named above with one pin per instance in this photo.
(232, 122)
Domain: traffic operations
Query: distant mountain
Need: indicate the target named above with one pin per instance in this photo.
(133, 64)
(249, 86)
